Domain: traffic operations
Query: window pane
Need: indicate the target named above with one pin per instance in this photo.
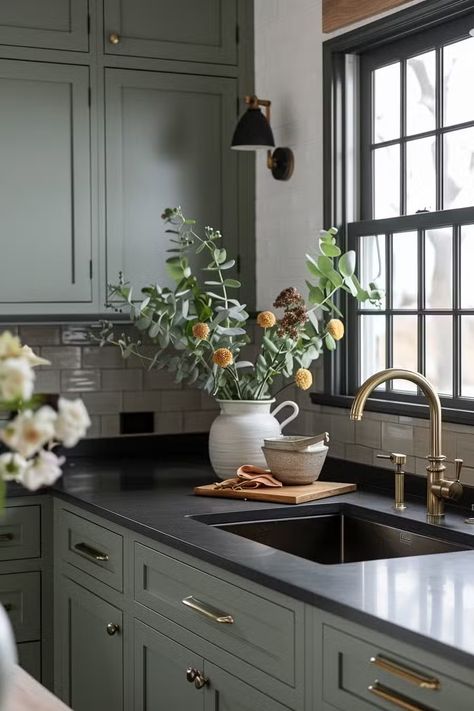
(467, 260)
(405, 349)
(439, 353)
(459, 168)
(386, 181)
(372, 345)
(386, 122)
(421, 175)
(405, 270)
(372, 264)
(458, 70)
(439, 268)
(467, 356)
(421, 92)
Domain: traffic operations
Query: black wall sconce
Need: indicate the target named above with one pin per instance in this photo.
(253, 132)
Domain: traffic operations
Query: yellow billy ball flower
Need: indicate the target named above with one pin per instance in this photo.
(303, 378)
(336, 328)
(201, 330)
(223, 357)
(266, 319)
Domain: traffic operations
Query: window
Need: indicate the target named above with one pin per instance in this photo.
(402, 184)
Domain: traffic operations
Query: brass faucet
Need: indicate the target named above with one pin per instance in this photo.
(439, 489)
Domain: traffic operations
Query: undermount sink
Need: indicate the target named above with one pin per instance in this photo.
(337, 538)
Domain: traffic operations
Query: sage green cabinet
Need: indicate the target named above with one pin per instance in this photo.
(44, 186)
(160, 666)
(167, 143)
(160, 679)
(203, 31)
(90, 650)
(51, 24)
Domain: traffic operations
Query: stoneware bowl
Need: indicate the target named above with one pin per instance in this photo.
(283, 441)
(295, 468)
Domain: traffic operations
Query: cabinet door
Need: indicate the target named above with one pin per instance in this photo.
(167, 144)
(160, 673)
(91, 657)
(44, 186)
(203, 31)
(53, 24)
(226, 693)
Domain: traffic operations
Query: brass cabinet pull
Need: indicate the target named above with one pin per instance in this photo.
(91, 552)
(6, 537)
(413, 677)
(112, 628)
(401, 702)
(208, 611)
(114, 38)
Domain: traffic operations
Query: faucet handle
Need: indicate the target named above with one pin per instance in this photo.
(395, 457)
(458, 464)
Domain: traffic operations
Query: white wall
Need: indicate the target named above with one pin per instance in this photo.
(288, 70)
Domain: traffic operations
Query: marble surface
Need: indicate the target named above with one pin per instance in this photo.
(425, 600)
(27, 694)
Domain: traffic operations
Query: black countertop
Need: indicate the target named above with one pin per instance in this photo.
(425, 600)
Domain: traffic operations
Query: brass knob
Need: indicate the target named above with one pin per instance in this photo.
(114, 38)
(112, 628)
(200, 681)
(191, 674)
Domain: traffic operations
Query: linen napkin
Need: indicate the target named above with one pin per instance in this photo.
(249, 477)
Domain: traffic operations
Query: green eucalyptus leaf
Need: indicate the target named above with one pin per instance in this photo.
(232, 283)
(316, 295)
(329, 342)
(270, 345)
(347, 263)
(330, 250)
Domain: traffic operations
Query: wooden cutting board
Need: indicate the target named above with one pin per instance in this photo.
(282, 495)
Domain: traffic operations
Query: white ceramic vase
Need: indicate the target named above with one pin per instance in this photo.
(8, 658)
(237, 434)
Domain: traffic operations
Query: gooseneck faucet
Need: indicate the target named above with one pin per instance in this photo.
(439, 489)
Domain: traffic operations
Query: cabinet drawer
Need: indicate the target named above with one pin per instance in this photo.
(29, 657)
(361, 675)
(92, 548)
(252, 628)
(20, 594)
(20, 533)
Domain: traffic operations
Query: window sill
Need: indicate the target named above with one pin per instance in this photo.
(406, 409)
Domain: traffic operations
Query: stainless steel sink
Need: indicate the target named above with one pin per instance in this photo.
(338, 538)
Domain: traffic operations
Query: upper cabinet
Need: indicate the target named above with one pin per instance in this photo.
(111, 111)
(50, 24)
(166, 145)
(204, 31)
(44, 186)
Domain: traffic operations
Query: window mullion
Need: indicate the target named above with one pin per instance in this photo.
(421, 302)
(403, 147)
(439, 88)
(389, 300)
(457, 346)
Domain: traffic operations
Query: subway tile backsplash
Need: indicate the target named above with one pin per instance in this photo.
(110, 385)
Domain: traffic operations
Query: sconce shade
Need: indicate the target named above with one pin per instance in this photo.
(252, 132)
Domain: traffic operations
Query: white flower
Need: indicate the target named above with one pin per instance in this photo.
(43, 470)
(16, 379)
(12, 466)
(30, 356)
(30, 431)
(10, 346)
(73, 421)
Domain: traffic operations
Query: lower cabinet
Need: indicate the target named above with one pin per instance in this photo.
(90, 648)
(168, 675)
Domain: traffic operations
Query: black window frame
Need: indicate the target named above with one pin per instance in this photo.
(340, 203)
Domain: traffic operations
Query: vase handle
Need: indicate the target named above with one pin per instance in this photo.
(295, 413)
